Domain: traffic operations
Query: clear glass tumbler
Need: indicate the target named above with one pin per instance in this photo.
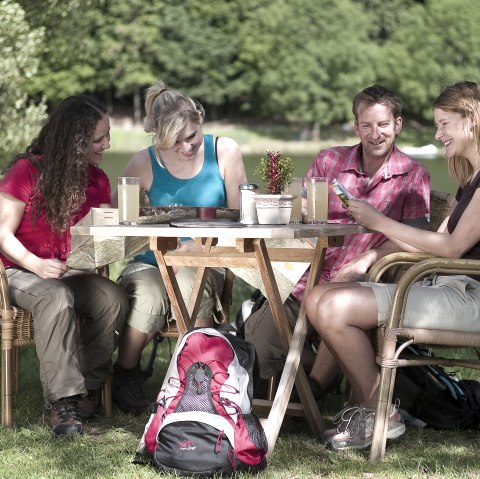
(317, 199)
(128, 189)
(295, 188)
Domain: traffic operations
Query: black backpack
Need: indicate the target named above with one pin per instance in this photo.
(436, 397)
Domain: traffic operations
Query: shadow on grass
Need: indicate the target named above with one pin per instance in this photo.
(107, 448)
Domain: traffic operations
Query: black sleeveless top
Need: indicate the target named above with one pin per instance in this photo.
(464, 196)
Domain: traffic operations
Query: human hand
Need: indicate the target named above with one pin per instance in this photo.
(364, 214)
(355, 269)
(50, 268)
(188, 246)
(184, 247)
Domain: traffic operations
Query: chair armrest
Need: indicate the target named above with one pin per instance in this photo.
(4, 293)
(394, 260)
(421, 270)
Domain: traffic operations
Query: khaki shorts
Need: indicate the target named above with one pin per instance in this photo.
(149, 302)
(451, 303)
(261, 331)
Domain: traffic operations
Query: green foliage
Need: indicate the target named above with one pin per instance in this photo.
(276, 172)
(20, 118)
(435, 43)
(294, 61)
(70, 54)
(310, 59)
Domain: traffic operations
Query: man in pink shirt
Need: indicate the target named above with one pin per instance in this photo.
(374, 170)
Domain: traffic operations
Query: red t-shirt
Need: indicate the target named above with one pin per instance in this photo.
(39, 238)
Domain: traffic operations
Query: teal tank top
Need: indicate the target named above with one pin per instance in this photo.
(207, 188)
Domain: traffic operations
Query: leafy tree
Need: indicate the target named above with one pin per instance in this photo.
(386, 16)
(70, 51)
(129, 38)
(198, 45)
(435, 44)
(309, 59)
(20, 118)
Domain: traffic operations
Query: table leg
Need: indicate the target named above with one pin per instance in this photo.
(199, 285)
(182, 317)
(295, 343)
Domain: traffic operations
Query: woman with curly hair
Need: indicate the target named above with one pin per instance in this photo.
(187, 167)
(44, 191)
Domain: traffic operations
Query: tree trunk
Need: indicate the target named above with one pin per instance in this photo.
(137, 107)
(109, 101)
(316, 131)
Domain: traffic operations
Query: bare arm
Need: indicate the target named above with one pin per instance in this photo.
(10, 217)
(454, 245)
(406, 247)
(356, 269)
(232, 168)
(139, 165)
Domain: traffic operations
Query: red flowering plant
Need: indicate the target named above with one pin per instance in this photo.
(276, 172)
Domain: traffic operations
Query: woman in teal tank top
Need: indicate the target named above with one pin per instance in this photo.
(183, 166)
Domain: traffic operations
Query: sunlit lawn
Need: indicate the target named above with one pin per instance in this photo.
(107, 448)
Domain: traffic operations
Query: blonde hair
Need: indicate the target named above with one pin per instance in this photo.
(167, 114)
(462, 98)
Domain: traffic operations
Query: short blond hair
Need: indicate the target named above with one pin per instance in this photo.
(168, 112)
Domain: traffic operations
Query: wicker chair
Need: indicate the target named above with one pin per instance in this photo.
(17, 331)
(407, 269)
(392, 268)
(388, 356)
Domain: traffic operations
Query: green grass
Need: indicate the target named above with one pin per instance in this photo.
(107, 448)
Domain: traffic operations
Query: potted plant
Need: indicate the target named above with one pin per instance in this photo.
(276, 171)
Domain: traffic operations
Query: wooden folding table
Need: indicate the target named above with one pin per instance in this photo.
(250, 251)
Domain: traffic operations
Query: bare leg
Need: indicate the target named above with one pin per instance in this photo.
(325, 367)
(341, 313)
(132, 343)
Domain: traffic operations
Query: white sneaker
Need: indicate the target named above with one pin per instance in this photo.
(344, 418)
(356, 429)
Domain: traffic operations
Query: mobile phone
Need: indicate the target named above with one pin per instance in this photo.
(341, 192)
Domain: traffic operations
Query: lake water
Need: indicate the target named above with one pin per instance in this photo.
(113, 164)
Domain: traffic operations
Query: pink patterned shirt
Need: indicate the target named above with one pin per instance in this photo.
(400, 190)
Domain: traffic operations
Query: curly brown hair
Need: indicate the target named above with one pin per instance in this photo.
(60, 155)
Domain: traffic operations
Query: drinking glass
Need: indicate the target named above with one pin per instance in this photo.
(295, 188)
(317, 199)
(128, 189)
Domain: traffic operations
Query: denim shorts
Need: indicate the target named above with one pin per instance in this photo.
(450, 303)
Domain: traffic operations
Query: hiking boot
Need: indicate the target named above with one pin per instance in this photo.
(90, 405)
(127, 390)
(356, 429)
(64, 417)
